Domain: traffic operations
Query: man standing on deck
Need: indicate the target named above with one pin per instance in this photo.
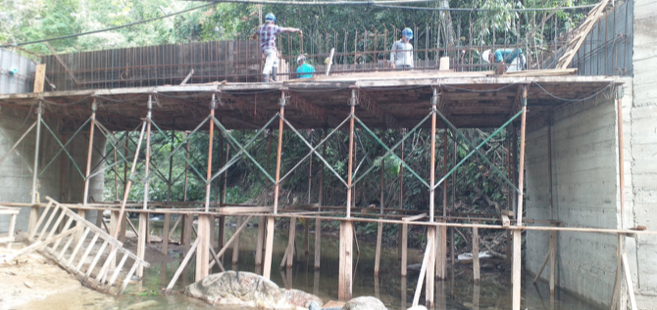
(503, 58)
(401, 54)
(267, 33)
(304, 71)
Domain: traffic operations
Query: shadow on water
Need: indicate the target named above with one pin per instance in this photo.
(396, 292)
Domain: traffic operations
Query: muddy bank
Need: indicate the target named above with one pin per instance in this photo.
(33, 277)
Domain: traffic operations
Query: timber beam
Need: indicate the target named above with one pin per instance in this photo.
(300, 102)
(373, 108)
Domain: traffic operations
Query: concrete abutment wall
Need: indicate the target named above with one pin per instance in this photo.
(60, 180)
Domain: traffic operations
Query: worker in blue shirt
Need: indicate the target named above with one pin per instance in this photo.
(304, 70)
(503, 58)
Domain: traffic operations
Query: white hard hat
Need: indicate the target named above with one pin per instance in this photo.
(485, 55)
(301, 58)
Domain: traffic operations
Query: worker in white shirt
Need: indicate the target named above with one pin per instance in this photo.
(401, 54)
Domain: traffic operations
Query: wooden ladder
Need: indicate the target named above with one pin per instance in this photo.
(582, 31)
(46, 238)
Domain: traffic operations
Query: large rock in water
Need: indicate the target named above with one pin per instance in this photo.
(248, 290)
(364, 303)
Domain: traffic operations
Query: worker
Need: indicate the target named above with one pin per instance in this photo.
(304, 70)
(503, 58)
(267, 33)
(401, 54)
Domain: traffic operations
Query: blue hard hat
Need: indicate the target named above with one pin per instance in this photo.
(270, 16)
(408, 33)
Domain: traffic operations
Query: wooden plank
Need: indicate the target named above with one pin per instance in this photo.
(553, 260)
(583, 30)
(182, 266)
(117, 271)
(377, 255)
(53, 213)
(78, 246)
(414, 217)
(346, 259)
(318, 243)
(269, 246)
(404, 250)
(540, 270)
(260, 241)
(475, 254)
(66, 226)
(230, 241)
(129, 275)
(516, 269)
(86, 252)
(236, 244)
(96, 259)
(290, 241)
(423, 270)
(628, 281)
(12, 228)
(39, 244)
(39, 77)
(165, 234)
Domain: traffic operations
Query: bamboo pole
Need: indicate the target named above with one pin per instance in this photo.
(126, 191)
(441, 260)
(400, 229)
(431, 231)
(203, 250)
(167, 217)
(517, 236)
(475, 254)
(346, 226)
(318, 222)
(92, 126)
(260, 241)
(143, 217)
(379, 230)
(269, 246)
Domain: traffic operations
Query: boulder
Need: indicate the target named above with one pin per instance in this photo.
(246, 289)
(364, 303)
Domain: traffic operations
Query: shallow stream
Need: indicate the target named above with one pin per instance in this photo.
(456, 292)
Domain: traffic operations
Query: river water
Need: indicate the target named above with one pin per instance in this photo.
(396, 292)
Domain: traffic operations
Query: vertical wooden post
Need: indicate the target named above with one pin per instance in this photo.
(404, 247)
(441, 259)
(236, 243)
(346, 227)
(379, 230)
(184, 234)
(222, 219)
(400, 229)
(204, 219)
(143, 217)
(318, 222)
(290, 241)
(167, 216)
(269, 246)
(260, 242)
(475, 253)
(34, 210)
(553, 258)
(431, 231)
(307, 221)
(517, 236)
(92, 126)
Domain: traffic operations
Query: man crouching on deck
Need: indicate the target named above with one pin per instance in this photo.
(267, 34)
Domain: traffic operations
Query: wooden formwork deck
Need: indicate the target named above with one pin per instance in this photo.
(386, 100)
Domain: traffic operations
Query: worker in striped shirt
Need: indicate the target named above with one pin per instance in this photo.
(267, 33)
(401, 54)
